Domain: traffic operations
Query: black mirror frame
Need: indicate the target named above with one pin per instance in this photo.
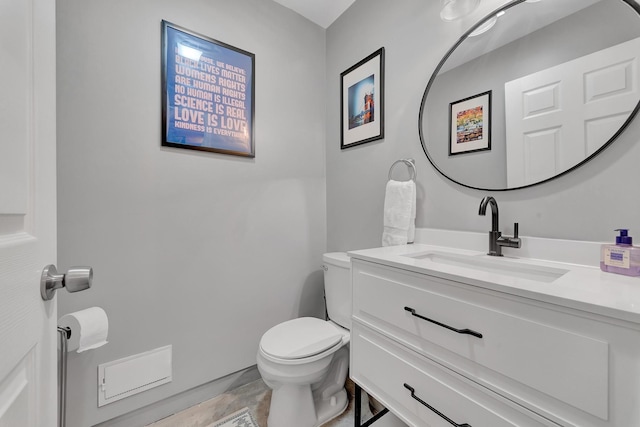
(631, 3)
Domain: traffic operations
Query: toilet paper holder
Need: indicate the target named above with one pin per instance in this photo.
(76, 279)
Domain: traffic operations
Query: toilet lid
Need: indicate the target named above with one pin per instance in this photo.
(299, 338)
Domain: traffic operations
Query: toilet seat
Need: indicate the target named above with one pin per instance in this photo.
(301, 339)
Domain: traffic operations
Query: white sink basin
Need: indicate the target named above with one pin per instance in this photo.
(505, 267)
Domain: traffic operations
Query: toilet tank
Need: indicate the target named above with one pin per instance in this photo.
(337, 287)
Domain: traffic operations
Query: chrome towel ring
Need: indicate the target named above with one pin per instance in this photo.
(411, 164)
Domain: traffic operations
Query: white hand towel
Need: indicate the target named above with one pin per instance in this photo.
(411, 233)
(399, 212)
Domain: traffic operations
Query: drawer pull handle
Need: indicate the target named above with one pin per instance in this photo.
(460, 331)
(447, 419)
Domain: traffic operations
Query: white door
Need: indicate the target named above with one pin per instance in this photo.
(558, 117)
(28, 337)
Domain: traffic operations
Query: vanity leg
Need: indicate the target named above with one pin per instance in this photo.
(357, 402)
(357, 412)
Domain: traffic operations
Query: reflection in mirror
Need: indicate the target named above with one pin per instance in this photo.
(563, 78)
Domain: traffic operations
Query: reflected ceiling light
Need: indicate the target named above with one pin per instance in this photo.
(487, 25)
(189, 52)
(456, 9)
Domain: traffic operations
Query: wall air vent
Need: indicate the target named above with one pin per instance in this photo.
(134, 374)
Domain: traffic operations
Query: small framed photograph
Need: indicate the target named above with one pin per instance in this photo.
(362, 101)
(207, 93)
(470, 124)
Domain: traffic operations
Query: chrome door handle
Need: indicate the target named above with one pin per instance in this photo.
(76, 279)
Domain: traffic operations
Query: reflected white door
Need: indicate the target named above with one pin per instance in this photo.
(557, 117)
(28, 337)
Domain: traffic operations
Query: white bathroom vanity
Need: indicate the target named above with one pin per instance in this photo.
(446, 336)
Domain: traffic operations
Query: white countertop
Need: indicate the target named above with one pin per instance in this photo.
(585, 288)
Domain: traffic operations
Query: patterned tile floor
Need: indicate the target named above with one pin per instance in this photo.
(255, 395)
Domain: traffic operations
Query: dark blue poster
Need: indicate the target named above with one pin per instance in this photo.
(208, 93)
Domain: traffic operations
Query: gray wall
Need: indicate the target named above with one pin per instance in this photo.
(584, 205)
(199, 250)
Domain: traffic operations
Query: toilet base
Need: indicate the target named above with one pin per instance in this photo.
(307, 411)
(283, 413)
(308, 405)
(328, 409)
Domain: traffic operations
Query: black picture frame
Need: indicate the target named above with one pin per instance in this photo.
(208, 93)
(362, 101)
(470, 124)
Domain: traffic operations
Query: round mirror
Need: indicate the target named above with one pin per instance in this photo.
(533, 91)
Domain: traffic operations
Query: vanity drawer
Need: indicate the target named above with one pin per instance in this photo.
(500, 342)
(399, 377)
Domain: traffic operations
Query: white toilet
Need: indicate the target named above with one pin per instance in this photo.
(305, 361)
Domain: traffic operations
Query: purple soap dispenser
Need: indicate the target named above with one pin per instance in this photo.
(621, 258)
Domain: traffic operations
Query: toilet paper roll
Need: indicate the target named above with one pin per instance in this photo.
(89, 329)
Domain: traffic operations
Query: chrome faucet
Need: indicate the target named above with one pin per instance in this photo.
(496, 239)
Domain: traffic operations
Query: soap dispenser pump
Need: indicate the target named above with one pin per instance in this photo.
(621, 258)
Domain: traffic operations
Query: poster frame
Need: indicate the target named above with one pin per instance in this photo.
(167, 97)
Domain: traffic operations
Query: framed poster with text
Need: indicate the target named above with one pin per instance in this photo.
(207, 93)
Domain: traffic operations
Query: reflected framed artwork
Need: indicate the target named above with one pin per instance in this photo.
(362, 101)
(470, 124)
(207, 93)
